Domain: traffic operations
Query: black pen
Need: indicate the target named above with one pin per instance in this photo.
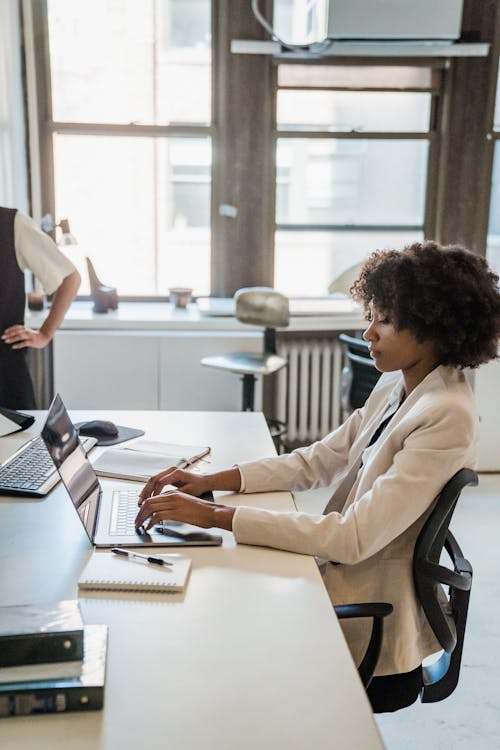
(148, 558)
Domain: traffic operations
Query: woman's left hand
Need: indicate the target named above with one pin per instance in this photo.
(21, 337)
(178, 506)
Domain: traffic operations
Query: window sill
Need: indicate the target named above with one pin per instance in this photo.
(154, 316)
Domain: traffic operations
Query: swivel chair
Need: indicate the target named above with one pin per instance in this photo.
(259, 306)
(359, 376)
(447, 615)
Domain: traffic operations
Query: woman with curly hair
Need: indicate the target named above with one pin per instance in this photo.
(431, 312)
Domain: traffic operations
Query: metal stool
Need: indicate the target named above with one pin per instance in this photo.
(264, 307)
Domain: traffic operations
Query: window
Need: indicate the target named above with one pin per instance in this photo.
(493, 246)
(352, 167)
(13, 187)
(131, 135)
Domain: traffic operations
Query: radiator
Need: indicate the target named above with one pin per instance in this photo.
(308, 390)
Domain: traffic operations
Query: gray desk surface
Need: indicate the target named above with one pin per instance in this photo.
(249, 656)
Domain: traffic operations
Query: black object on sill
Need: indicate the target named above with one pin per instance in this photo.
(104, 297)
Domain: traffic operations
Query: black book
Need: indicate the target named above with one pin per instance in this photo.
(37, 633)
(83, 693)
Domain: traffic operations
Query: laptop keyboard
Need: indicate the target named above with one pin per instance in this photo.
(123, 512)
(28, 470)
(31, 472)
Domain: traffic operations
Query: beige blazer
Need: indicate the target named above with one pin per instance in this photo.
(381, 497)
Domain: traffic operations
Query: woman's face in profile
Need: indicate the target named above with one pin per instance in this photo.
(393, 349)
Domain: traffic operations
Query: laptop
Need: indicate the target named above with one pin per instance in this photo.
(107, 514)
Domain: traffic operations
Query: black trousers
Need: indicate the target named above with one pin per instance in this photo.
(395, 691)
(16, 387)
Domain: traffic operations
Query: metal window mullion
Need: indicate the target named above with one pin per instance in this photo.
(349, 227)
(362, 89)
(363, 62)
(130, 129)
(356, 135)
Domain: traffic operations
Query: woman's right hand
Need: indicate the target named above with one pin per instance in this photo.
(185, 481)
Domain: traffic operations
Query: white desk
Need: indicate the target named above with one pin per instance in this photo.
(249, 656)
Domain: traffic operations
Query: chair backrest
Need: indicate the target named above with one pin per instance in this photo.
(360, 375)
(447, 620)
(262, 306)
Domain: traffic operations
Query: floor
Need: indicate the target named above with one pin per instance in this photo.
(470, 717)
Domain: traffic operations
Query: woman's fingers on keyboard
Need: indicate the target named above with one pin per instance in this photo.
(154, 485)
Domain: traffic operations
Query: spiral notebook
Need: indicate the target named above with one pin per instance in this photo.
(105, 570)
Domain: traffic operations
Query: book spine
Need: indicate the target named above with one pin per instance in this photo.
(36, 648)
(51, 701)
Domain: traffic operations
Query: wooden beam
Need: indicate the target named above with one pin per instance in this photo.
(464, 179)
(243, 155)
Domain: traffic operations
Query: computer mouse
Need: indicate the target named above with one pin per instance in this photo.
(98, 428)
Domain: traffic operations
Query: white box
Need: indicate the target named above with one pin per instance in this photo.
(395, 19)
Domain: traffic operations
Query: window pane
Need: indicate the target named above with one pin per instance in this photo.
(145, 61)
(351, 182)
(13, 183)
(354, 77)
(493, 248)
(139, 208)
(327, 254)
(349, 111)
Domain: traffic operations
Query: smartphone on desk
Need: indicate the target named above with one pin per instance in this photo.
(168, 528)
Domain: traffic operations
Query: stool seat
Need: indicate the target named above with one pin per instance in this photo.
(246, 363)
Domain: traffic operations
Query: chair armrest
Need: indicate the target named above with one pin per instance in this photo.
(377, 611)
(368, 609)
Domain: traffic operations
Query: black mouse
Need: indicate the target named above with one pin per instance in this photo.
(98, 428)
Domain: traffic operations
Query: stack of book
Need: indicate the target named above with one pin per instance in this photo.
(50, 662)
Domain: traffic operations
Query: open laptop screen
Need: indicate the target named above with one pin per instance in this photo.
(63, 444)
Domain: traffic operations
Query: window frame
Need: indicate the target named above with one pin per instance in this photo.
(244, 133)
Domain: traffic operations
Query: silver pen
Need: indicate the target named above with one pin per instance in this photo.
(148, 558)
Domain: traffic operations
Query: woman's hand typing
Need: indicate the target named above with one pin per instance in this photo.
(178, 506)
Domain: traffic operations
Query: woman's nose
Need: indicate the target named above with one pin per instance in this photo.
(369, 333)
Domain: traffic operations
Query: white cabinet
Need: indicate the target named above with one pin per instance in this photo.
(106, 369)
(118, 369)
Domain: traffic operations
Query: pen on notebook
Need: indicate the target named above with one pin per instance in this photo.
(148, 558)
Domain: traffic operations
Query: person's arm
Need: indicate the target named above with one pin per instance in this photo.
(428, 456)
(21, 337)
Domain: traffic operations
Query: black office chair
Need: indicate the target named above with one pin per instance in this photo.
(377, 611)
(446, 618)
(359, 375)
(266, 307)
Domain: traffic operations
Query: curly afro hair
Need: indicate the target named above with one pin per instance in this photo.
(447, 295)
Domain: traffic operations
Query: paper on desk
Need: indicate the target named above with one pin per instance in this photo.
(7, 426)
(142, 459)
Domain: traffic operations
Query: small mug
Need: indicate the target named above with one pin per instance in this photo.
(36, 301)
(180, 296)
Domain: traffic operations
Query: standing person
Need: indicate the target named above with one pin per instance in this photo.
(431, 312)
(24, 246)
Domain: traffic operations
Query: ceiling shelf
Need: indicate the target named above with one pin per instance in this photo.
(363, 49)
